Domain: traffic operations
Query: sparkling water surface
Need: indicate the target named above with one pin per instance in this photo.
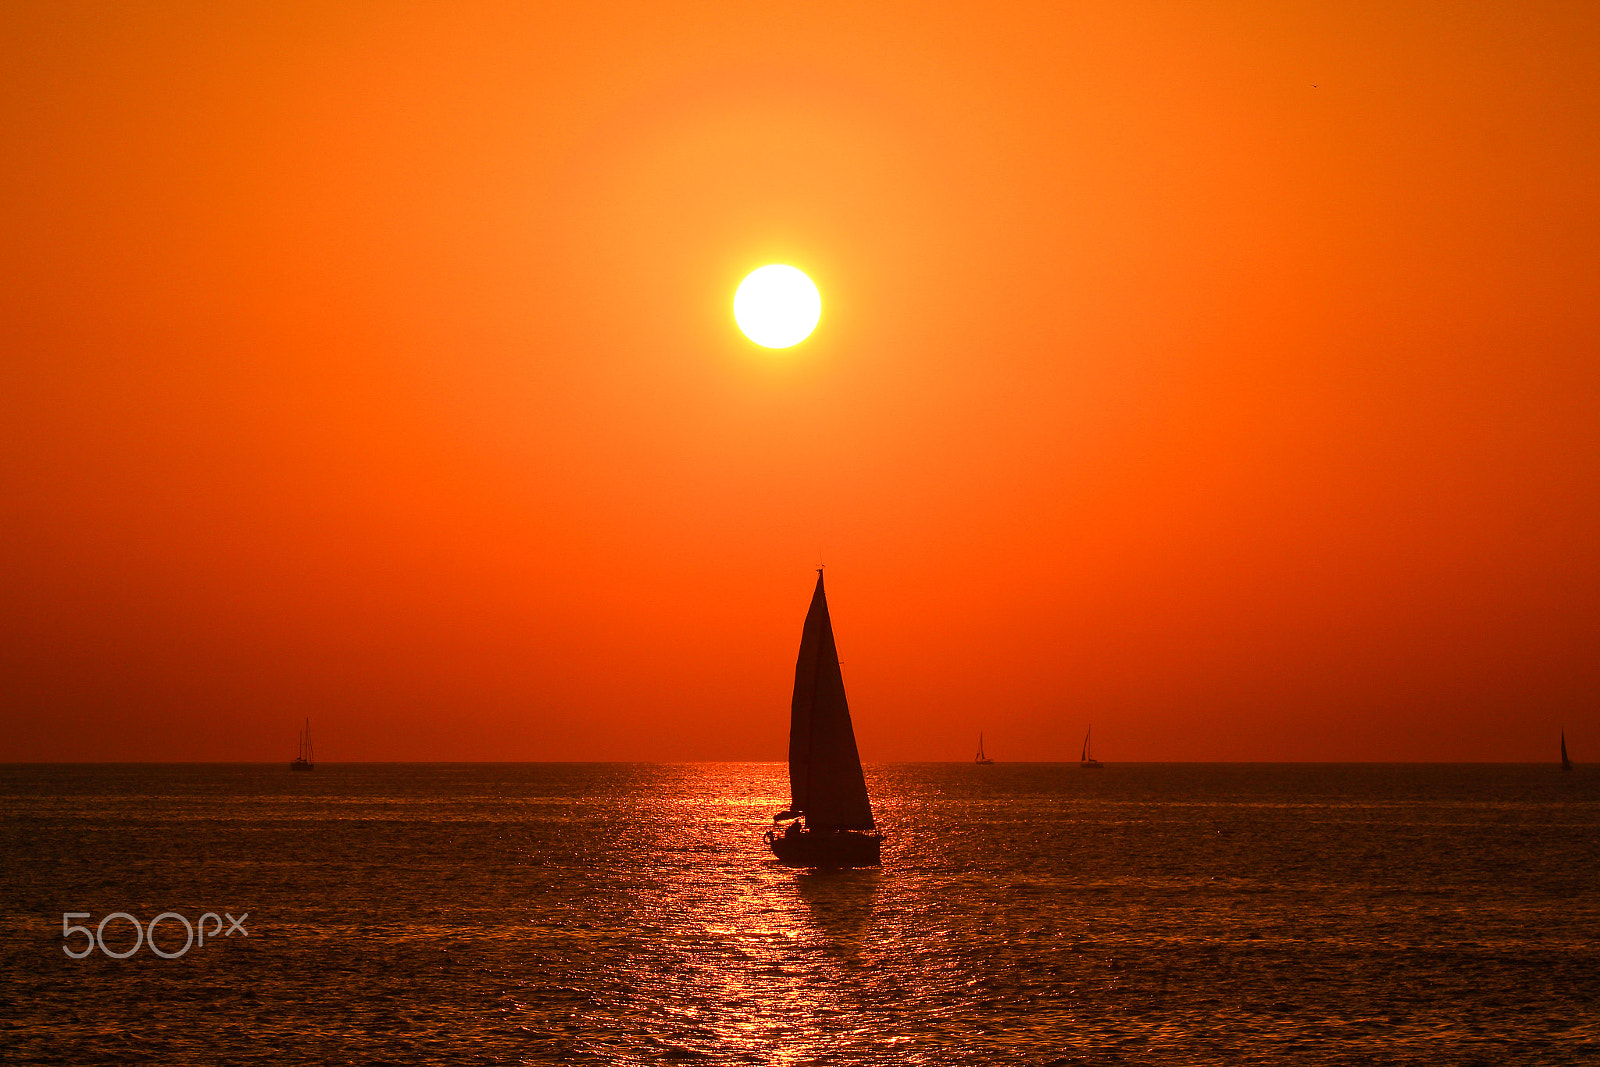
(628, 913)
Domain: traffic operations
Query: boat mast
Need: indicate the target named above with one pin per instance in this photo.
(811, 711)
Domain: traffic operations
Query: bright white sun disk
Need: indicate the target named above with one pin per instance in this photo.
(777, 306)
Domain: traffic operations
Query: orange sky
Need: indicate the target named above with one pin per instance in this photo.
(1225, 375)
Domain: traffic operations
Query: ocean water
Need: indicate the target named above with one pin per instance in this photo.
(626, 913)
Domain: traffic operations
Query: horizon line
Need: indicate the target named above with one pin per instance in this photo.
(866, 763)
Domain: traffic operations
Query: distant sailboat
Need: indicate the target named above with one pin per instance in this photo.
(305, 761)
(1087, 760)
(980, 757)
(826, 787)
(1566, 764)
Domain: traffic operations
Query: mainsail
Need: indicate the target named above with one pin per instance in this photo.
(825, 778)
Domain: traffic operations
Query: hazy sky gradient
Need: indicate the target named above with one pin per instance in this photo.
(1225, 375)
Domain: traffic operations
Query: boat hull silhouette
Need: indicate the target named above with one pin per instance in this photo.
(825, 848)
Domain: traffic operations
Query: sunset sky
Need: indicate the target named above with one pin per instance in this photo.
(1223, 375)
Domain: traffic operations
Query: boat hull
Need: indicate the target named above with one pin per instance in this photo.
(825, 848)
(302, 765)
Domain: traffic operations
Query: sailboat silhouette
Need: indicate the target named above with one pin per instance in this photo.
(1087, 760)
(305, 761)
(827, 789)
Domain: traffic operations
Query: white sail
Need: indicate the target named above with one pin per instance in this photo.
(825, 779)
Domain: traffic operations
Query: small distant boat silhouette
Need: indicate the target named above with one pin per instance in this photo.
(826, 787)
(980, 757)
(305, 760)
(1566, 764)
(1087, 760)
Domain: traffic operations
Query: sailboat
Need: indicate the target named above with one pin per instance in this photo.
(829, 816)
(980, 757)
(305, 760)
(1566, 764)
(1087, 760)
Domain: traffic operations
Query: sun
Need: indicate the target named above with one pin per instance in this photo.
(777, 306)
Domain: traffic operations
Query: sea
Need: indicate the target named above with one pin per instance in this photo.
(629, 914)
